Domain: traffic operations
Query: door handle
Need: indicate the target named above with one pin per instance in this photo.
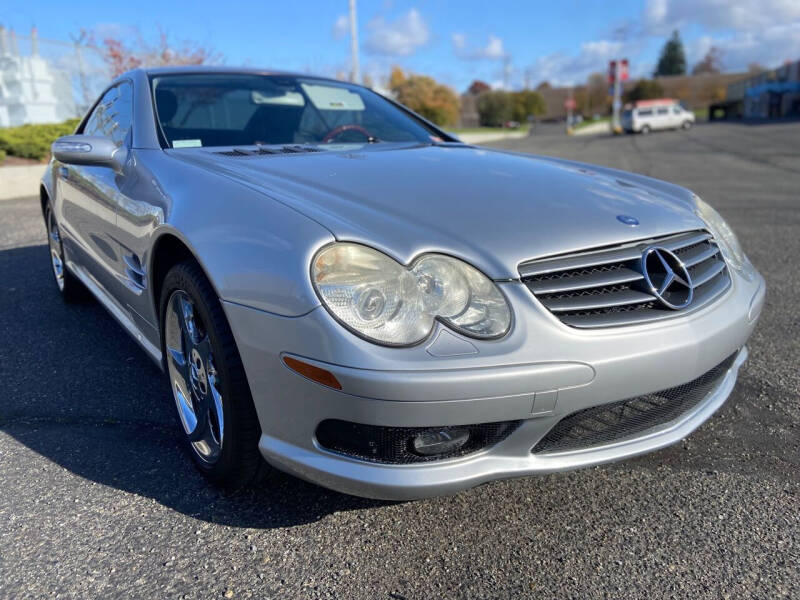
(63, 172)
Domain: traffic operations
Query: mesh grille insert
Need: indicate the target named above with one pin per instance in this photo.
(618, 421)
(392, 444)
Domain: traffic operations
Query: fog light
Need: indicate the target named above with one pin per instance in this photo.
(439, 441)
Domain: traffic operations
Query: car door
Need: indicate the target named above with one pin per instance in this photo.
(662, 119)
(678, 116)
(89, 195)
(644, 117)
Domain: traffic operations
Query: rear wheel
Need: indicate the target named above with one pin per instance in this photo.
(71, 289)
(215, 409)
(645, 129)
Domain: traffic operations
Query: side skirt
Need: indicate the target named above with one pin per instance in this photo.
(108, 303)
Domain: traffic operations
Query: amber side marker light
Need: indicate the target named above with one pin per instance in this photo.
(313, 373)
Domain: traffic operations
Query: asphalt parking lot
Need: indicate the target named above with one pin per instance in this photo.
(98, 500)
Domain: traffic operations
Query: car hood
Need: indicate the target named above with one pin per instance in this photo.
(494, 209)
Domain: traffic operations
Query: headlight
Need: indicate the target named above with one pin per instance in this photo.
(727, 240)
(382, 300)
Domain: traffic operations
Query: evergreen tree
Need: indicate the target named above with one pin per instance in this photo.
(673, 59)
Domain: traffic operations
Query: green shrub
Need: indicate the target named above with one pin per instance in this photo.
(33, 141)
(645, 89)
(527, 103)
(2, 156)
(495, 108)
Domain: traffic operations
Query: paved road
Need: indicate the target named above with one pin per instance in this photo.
(97, 500)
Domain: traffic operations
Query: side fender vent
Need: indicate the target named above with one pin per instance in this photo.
(135, 274)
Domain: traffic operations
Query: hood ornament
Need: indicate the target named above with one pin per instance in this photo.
(628, 220)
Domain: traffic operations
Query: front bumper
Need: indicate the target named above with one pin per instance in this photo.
(541, 372)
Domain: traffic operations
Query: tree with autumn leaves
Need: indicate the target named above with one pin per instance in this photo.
(135, 51)
(425, 96)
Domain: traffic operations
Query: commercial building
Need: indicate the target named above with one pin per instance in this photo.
(771, 94)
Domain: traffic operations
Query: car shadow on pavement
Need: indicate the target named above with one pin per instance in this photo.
(82, 394)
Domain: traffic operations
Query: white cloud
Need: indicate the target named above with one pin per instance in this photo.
(399, 38)
(565, 69)
(493, 50)
(662, 16)
(745, 31)
(340, 27)
(770, 47)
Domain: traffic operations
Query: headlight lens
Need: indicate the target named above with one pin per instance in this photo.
(384, 301)
(727, 240)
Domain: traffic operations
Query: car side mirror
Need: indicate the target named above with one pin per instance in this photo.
(89, 150)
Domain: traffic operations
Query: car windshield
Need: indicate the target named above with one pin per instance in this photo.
(195, 110)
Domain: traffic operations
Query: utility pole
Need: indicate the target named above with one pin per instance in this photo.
(570, 104)
(616, 103)
(507, 72)
(355, 76)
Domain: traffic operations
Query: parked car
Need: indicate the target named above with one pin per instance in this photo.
(336, 287)
(651, 115)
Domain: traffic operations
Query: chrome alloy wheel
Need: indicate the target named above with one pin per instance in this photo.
(54, 241)
(193, 377)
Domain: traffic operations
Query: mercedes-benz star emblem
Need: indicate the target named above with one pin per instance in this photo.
(628, 220)
(667, 277)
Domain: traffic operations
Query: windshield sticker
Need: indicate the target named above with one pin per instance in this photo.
(326, 97)
(186, 143)
(285, 98)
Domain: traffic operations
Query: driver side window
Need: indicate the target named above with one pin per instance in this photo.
(113, 115)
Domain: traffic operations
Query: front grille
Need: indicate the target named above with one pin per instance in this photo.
(606, 288)
(625, 419)
(392, 445)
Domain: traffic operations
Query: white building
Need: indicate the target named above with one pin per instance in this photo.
(31, 91)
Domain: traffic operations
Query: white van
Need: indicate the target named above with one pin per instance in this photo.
(650, 115)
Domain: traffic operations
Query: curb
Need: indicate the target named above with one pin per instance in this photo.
(481, 138)
(20, 181)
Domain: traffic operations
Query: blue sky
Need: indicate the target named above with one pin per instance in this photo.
(562, 41)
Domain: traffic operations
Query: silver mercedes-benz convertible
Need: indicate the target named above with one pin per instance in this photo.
(336, 287)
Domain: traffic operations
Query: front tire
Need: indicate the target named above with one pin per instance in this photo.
(69, 286)
(645, 129)
(686, 125)
(215, 408)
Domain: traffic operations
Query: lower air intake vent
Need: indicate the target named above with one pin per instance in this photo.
(395, 445)
(618, 421)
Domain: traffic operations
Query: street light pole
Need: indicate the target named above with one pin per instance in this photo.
(617, 101)
(569, 103)
(355, 76)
